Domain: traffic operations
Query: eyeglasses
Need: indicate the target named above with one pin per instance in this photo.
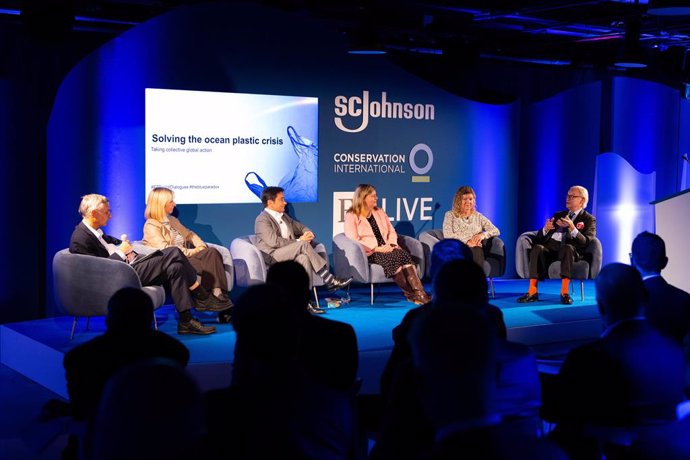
(570, 197)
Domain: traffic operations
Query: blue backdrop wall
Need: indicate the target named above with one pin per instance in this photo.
(519, 156)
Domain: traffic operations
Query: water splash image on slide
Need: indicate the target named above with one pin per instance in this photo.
(301, 184)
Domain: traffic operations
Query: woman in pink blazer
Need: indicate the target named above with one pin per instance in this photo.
(370, 226)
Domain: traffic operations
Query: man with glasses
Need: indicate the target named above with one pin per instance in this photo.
(564, 237)
(168, 267)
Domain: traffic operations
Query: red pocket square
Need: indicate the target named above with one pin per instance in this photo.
(580, 225)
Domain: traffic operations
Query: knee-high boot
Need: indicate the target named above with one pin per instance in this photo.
(420, 295)
(401, 280)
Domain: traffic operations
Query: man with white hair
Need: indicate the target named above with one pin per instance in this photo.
(168, 267)
(564, 237)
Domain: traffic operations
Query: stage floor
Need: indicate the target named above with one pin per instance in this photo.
(36, 348)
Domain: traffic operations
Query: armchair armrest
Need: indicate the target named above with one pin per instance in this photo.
(249, 265)
(497, 252)
(594, 248)
(416, 250)
(84, 284)
(349, 259)
(227, 263)
(522, 248)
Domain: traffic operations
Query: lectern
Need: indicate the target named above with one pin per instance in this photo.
(672, 219)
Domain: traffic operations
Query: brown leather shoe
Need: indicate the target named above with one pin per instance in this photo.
(194, 326)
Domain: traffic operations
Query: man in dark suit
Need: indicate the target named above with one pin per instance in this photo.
(631, 376)
(667, 308)
(459, 399)
(169, 267)
(565, 236)
(279, 238)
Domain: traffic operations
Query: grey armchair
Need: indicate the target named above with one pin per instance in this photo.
(84, 285)
(251, 269)
(350, 260)
(494, 263)
(587, 268)
(228, 263)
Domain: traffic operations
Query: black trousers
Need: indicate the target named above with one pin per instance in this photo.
(479, 253)
(171, 269)
(543, 254)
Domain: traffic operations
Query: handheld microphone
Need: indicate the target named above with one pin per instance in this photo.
(123, 237)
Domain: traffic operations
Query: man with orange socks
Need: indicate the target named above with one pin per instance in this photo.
(564, 237)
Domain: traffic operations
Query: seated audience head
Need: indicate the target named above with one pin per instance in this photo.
(649, 253)
(159, 204)
(292, 277)
(130, 310)
(454, 355)
(620, 292)
(446, 250)
(270, 194)
(461, 281)
(152, 410)
(267, 330)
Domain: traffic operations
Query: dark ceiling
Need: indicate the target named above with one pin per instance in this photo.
(583, 34)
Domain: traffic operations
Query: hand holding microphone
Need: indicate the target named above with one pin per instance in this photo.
(125, 246)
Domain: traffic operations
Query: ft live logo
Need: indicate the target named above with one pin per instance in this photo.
(398, 209)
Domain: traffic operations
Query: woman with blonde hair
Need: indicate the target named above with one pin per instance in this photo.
(369, 225)
(463, 222)
(163, 230)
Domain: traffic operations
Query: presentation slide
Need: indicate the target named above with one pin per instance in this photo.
(213, 147)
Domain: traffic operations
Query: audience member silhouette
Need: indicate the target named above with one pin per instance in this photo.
(662, 442)
(405, 429)
(444, 251)
(455, 356)
(631, 376)
(273, 408)
(129, 337)
(667, 308)
(327, 349)
(150, 410)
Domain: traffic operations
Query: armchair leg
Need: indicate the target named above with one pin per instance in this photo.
(372, 293)
(74, 326)
(491, 285)
(316, 297)
(155, 321)
(582, 289)
(88, 319)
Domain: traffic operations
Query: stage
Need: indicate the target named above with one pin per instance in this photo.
(36, 348)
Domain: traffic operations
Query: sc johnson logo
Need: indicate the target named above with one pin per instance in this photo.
(361, 108)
